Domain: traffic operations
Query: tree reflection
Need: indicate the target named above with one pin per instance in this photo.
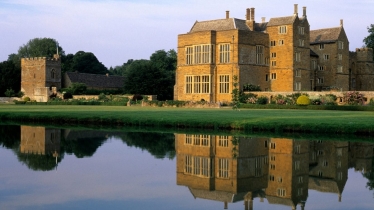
(160, 145)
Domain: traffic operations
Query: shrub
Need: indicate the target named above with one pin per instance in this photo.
(262, 100)
(20, 94)
(77, 88)
(26, 99)
(67, 95)
(353, 98)
(102, 97)
(9, 92)
(303, 100)
(247, 98)
(250, 87)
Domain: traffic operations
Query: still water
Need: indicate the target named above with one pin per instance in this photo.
(51, 168)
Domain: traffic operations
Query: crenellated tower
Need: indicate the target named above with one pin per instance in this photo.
(40, 77)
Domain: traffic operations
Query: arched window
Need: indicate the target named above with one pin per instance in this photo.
(53, 74)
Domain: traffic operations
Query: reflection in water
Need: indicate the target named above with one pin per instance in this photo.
(231, 169)
(227, 169)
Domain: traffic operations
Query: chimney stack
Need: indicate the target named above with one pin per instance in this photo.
(227, 14)
(253, 14)
(304, 11)
(295, 9)
(250, 19)
(263, 19)
(341, 22)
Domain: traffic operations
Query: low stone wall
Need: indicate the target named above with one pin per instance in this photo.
(8, 99)
(88, 97)
(339, 94)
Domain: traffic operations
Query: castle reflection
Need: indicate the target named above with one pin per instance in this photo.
(233, 169)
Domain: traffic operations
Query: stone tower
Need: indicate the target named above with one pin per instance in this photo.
(362, 69)
(40, 77)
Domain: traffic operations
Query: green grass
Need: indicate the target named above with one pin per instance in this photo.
(247, 120)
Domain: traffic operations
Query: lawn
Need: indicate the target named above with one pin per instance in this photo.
(321, 121)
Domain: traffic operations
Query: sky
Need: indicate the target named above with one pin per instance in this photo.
(119, 30)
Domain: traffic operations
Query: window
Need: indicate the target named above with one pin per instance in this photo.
(273, 63)
(281, 42)
(321, 46)
(300, 179)
(340, 57)
(53, 72)
(314, 65)
(199, 166)
(297, 149)
(189, 55)
(297, 165)
(340, 69)
(319, 152)
(281, 192)
(320, 173)
(325, 163)
(297, 85)
(267, 77)
(298, 73)
(259, 54)
(199, 54)
(301, 42)
(224, 53)
(298, 56)
(282, 29)
(340, 175)
(274, 76)
(224, 84)
(198, 140)
(188, 139)
(272, 43)
(301, 30)
(223, 168)
(340, 45)
(223, 141)
(267, 61)
(321, 68)
(320, 80)
(300, 191)
(326, 57)
(272, 166)
(339, 164)
(198, 84)
(271, 177)
(272, 158)
(280, 179)
(273, 54)
(339, 151)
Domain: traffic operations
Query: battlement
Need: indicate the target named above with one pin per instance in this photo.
(365, 49)
(364, 54)
(41, 58)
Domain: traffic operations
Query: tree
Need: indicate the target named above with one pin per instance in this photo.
(10, 77)
(86, 62)
(40, 47)
(369, 40)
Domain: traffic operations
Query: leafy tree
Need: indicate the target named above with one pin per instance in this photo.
(10, 77)
(122, 70)
(66, 63)
(369, 40)
(77, 88)
(86, 62)
(37, 47)
(152, 77)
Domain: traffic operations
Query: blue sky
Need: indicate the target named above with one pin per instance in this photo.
(116, 30)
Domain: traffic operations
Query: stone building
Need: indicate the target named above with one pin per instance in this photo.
(40, 77)
(281, 55)
(94, 81)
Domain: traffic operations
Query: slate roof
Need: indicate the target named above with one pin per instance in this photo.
(326, 35)
(96, 80)
(281, 21)
(219, 25)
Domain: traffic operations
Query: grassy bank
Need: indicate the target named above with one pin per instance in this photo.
(248, 120)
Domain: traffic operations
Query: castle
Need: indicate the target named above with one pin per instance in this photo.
(281, 55)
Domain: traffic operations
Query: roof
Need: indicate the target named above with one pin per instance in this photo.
(96, 80)
(219, 25)
(281, 21)
(313, 54)
(326, 35)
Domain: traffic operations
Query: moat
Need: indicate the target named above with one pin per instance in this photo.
(61, 168)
